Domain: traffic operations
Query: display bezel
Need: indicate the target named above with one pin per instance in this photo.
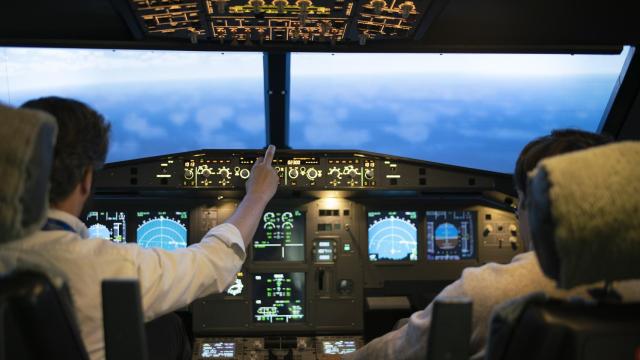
(418, 225)
(474, 231)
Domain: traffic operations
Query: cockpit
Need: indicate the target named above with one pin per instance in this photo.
(397, 127)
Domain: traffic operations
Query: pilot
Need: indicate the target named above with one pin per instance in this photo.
(492, 284)
(169, 280)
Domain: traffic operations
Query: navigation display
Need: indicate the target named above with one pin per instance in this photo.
(218, 350)
(278, 297)
(393, 235)
(162, 229)
(111, 225)
(280, 236)
(338, 347)
(451, 235)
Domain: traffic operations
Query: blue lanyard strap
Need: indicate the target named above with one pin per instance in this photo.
(57, 225)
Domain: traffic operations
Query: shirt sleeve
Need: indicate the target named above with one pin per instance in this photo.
(172, 279)
(410, 341)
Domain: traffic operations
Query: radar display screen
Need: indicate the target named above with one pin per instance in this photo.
(280, 237)
(451, 235)
(218, 350)
(162, 229)
(393, 235)
(111, 225)
(338, 347)
(278, 297)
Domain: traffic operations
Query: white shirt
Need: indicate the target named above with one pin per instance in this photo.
(487, 286)
(168, 279)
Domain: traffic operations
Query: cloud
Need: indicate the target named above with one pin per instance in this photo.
(142, 128)
(123, 150)
(213, 117)
(178, 118)
(252, 123)
(412, 125)
(325, 128)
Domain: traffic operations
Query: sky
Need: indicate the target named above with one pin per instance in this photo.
(462, 109)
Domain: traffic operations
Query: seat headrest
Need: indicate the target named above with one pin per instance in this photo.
(583, 214)
(27, 138)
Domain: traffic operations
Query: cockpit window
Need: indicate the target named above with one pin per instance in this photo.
(473, 110)
(158, 102)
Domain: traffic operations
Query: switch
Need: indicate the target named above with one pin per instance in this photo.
(487, 230)
(513, 229)
(514, 242)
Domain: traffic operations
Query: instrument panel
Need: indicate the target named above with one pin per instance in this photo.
(320, 257)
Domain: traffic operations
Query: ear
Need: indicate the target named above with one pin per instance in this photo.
(87, 179)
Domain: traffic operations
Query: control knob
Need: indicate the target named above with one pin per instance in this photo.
(369, 174)
(225, 172)
(334, 171)
(487, 230)
(206, 172)
(353, 173)
(312, 173)
(293, 173)
(513, 229)
(245, 173)
(188, 174)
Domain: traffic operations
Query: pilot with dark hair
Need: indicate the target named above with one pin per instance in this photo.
(492, 284)
(169, 280)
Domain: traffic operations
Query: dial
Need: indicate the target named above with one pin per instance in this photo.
(188, 174)
(206, 172)
(334, 171)
(245, 173)
(293, 173)
(312, 173)
(225, 172)
(369, 174)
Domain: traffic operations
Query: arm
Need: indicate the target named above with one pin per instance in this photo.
(261, 187)
(172, 279)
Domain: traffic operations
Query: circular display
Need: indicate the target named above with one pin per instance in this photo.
(447, 236)
(393, 239)
(99, 231)
(163, 233)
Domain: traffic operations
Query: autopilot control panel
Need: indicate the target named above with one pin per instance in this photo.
(344, 229)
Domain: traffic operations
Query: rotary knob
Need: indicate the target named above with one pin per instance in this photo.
(225, 172)
(353, 173)
(245, 173)
(369, 174)
(312, 173)
(293, 173)
(487, 230)
(188, 174)
(206, 172)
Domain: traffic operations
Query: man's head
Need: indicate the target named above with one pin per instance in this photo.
(556, 143)
(81, 148)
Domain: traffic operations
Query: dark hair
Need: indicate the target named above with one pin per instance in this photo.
(556, 143)
(83, 140)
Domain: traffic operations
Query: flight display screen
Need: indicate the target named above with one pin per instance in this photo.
(237, 287)
(451, 235)
(218, 350)
(278, 297)
(166, 230)
(393, 235)
(338, 347)
(111, 225)
(280, 236)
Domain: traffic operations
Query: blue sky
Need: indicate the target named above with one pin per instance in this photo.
(468, 110)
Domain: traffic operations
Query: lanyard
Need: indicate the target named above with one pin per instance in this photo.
(57, 225)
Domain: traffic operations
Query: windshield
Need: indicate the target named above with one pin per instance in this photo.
(158, 102)
(473, 110)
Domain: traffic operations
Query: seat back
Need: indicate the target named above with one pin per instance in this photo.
(555, 329)
(584, 226)
(37, 320)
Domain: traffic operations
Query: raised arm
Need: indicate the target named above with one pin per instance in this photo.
(261, 187)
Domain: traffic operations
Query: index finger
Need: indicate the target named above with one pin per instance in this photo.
(268, 156)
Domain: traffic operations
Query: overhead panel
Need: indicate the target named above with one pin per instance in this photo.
(247, 22)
